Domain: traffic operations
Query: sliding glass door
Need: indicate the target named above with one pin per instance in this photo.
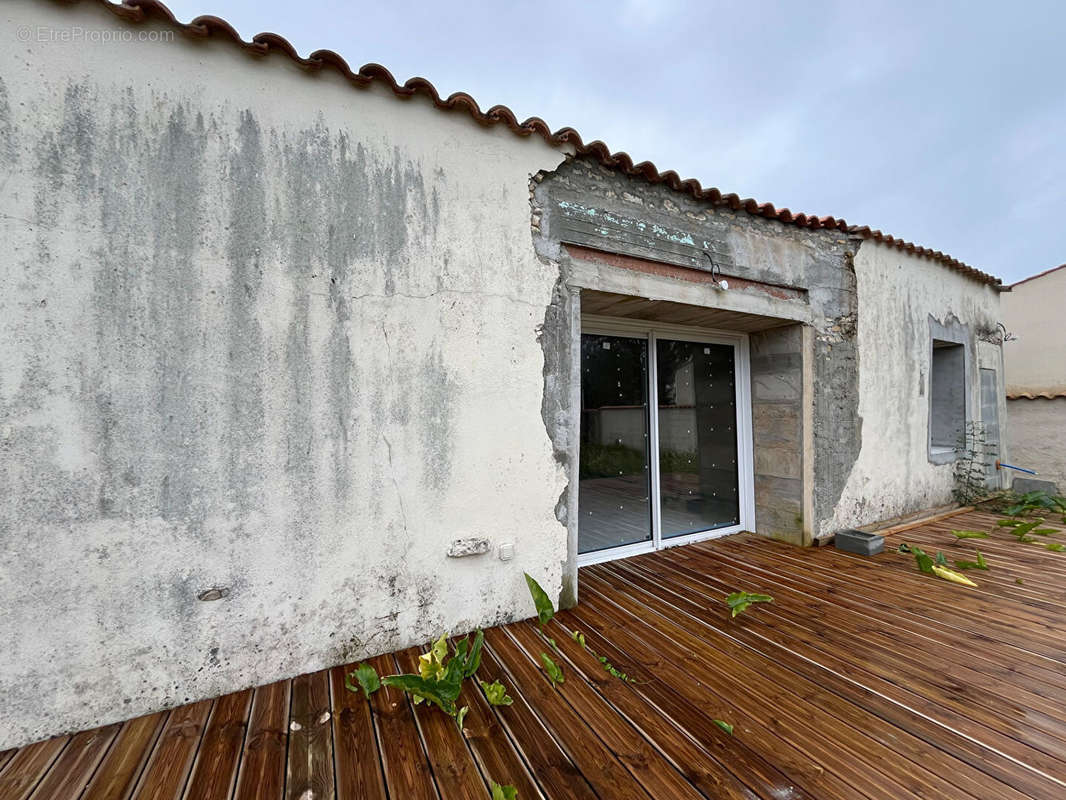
(653, 478)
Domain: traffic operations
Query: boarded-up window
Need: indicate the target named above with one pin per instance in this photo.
(947, 395)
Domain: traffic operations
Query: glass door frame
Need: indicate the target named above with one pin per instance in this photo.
(650, 331)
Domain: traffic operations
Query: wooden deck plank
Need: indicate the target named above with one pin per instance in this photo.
(824, 690)
(356, 760)
(978, 693)
(71, 772)
(454, 768)
(754, 723)
(261, 775)
(865, 679)
(873, 610)
(408, 773)
(555, 773)
(493, 750)
(659, 776)
(215, 771)
(607, 775)
(26, 768)
(121, 768)
(310, 759)
(167, 770)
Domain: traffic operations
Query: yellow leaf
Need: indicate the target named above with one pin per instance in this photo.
(950, 575)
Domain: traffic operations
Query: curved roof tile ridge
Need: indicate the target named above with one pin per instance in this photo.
(265, 43)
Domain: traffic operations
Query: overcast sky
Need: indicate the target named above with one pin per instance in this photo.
(941, 123)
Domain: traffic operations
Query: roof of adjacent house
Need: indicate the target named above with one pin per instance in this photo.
(266, 43)
(1038, 275)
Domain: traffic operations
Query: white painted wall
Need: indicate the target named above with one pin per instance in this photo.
(260, 331)
(1033, 312)
(896, 294)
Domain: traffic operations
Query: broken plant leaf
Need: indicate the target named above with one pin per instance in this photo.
(473, 659)
(543, 603)
(461, 716)
(553, 670)
(496, 693)
(1043, 531)
(969, 534)
(1026, 527)
(941, 559)
(903, 548)
(949, 575)
(725, 726)
(579, 637)
(925, 563)
(431, 663)
(367, 678)
(980, 563)
(507, 792)
(1055, 547)
(738, 602)
(442, 693)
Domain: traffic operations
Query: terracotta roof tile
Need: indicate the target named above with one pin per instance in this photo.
(266, 43)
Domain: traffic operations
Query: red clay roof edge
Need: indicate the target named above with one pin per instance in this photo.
(262, 44)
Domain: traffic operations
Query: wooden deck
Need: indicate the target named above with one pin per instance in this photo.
(865, 679)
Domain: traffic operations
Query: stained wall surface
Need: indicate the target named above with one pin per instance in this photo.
(263, 336)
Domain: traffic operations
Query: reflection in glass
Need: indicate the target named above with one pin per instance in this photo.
(614, 470)
(697, 437)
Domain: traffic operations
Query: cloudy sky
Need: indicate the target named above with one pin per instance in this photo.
(943, 123)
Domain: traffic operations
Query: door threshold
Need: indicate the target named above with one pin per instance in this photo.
(625, 551)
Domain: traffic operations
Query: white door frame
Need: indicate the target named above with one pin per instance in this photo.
(650, 331)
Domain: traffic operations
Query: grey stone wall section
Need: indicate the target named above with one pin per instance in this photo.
(585, 203)
(777, 431)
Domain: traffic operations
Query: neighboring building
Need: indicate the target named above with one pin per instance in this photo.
(282, 342)
(1036, 375)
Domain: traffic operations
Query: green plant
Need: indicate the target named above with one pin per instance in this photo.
(976, 457)
(496, 693)
(1021, 530)
(543, 603)
(507, 792)
(1036, 501)
(980, 563)
(969, 534)
(552, 669)
(440, 676)
(367, 678)
(738, 602)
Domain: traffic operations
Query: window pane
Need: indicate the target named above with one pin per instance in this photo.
(614, 474)
(947, 395)
(697, 437)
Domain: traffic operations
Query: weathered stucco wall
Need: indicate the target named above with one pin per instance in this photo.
(902, 298)
(259, 333)
(1032, 311)
(1036, 436)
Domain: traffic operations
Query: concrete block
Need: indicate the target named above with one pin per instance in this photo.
(1024, 485)
(860, 542)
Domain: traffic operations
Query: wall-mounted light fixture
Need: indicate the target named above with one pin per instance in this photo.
(716, 274)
